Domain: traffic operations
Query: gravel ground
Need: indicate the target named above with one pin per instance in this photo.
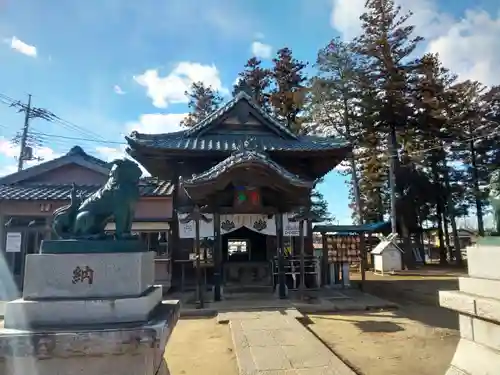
(418, 339)
(201, 346)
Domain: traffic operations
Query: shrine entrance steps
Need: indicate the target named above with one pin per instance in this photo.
(276, 343)
(234, 289)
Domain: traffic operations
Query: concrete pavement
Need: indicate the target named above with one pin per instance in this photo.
(276, 343)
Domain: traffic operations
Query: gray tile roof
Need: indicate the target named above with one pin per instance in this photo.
(245, 157)
(228, 106)
(233, 142)
(194, 139)
(149, 187)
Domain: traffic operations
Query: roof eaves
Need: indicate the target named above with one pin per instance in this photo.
(244, 157)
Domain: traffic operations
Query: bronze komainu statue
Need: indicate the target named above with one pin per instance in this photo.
(115, 200)
(494, 198)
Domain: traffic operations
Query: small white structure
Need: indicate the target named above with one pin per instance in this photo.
(387, 257)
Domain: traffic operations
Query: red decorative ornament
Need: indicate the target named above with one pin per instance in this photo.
(254, 197)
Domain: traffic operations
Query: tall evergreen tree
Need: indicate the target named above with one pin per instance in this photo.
(334, 106)
(288, 95)
(257, 79)
(387, 41)
(203, 100)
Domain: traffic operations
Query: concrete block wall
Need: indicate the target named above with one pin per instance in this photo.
(478, 304)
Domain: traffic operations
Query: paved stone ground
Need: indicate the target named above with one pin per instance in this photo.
(326, 300)
(276, 343)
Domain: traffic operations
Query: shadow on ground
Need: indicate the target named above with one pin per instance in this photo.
(410, 291)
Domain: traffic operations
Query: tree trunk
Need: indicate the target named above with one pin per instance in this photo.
(441, 225)
(451, 215)
(354, 172)
(447, 232)
(477, 192)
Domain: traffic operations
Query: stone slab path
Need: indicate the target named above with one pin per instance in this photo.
(275, 343)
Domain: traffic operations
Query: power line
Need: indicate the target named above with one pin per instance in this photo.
(78, 138)
(51, 117)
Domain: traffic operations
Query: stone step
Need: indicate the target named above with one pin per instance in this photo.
(236, 288)
(25, 314)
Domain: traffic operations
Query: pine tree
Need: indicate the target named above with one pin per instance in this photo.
(257, 79)
(319, 205)
(288, 96)
(334, 104)
(387, 42)
(203, 100)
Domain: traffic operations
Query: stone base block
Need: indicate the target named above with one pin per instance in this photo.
(82, 246)
(108, 275)
(100, 349)
(471, 304)
(26, 314)
(481, 287)
(472, 358)
(484, 258)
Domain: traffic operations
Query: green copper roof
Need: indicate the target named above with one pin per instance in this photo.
(244, 157)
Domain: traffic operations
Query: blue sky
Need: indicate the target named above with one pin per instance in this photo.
(110, 66)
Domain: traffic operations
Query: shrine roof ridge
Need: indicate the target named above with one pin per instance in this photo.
(229, 105)
(178, 141)
(242, 157)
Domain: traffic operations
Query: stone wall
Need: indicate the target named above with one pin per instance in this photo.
(478, 303)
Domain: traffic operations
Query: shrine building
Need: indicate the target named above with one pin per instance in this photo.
(249, 175)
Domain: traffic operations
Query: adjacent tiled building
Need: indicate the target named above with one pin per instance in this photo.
(28, 198)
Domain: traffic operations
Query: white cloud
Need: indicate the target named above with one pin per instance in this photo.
(171, 88)
(112, 153)
(468, 46)
(11, 150)
(259, 35)
(22, 47)
(118, 90)
(261, 50)
(157, 123)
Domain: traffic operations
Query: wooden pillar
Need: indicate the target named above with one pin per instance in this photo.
(217, 257)
(325, 280)
(199, 286)
(174, 247)
(2, 235)
(363, 253)
(302, 286)
(281, 266)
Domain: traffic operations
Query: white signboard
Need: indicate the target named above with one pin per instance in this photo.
(188, 230)
(13, 243)
(291, 228)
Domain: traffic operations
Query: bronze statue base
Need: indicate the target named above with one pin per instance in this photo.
(91, 246)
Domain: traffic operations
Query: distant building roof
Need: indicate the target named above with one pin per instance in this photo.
(16, 186)
(370, 227)
(36, 191)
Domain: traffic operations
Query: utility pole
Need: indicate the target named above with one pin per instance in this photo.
(24, 136)
(24, 139)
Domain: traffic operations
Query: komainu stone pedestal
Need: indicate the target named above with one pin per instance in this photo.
(88, 314)
(478, 303)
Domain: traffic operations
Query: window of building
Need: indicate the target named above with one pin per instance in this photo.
(238, 250)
